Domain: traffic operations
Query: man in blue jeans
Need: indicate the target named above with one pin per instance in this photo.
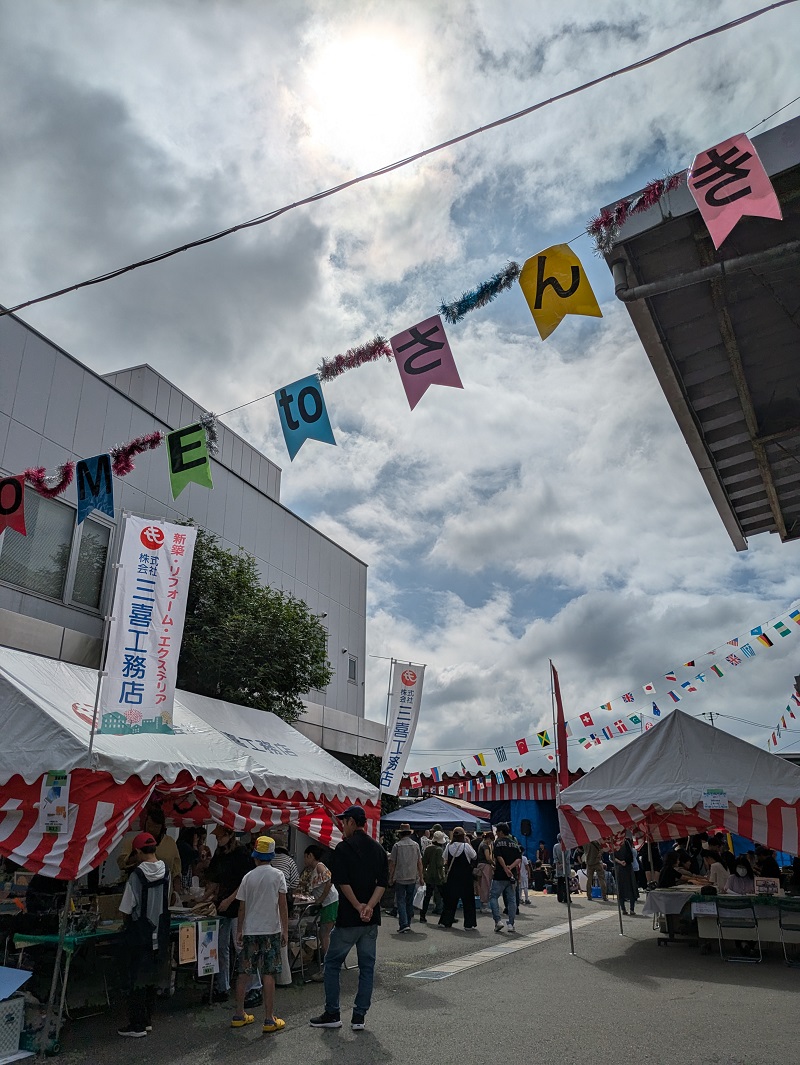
(507, 858)
(360, 871)
(405, 872)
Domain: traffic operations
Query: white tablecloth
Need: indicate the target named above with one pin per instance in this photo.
(666, 900)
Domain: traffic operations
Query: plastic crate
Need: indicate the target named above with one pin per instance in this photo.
(12, 1018)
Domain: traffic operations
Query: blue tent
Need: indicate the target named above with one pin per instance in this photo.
(432, 811)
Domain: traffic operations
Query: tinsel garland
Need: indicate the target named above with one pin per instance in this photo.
(122, 455)
(209, 423)
(480, 296)
(606, 226)
(51, 486)
(377, 348)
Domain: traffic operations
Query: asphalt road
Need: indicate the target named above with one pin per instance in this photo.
(620, 999)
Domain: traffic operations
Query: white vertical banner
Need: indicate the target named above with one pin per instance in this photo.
(404, 701)
(146, 630)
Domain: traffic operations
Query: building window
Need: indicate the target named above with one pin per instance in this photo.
(352, 670)
(57, 559)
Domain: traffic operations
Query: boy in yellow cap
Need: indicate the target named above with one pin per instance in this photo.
(261, 930)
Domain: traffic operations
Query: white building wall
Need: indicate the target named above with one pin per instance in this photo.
(53, 409)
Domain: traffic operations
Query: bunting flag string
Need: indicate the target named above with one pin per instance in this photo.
(480, 296)
(639, 719)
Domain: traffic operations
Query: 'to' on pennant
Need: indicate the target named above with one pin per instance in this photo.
(303, 414)
(95, 486)
(729, 181)
(555, 284)
(424, 358)
(12, 503)
(187, 454)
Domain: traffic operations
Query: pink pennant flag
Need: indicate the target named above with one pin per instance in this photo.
(729, 181)
(424, 358)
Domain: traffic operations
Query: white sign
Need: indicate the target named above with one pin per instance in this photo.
(147, 627)
(404, 701)
(715, 799)
(54, 804)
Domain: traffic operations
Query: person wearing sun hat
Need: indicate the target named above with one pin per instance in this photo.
(262, 927)
(405, 872)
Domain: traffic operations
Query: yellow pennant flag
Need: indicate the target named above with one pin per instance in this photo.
(555, 284)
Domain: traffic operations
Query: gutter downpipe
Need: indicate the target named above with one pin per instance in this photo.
(721, 270)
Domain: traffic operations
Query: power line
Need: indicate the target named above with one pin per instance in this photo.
(400, 163)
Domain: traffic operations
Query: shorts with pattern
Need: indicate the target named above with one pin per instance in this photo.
(260, 955)
(327, 915)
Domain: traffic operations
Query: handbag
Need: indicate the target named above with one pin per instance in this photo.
(419, 897)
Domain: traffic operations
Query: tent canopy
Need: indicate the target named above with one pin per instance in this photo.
(226, 763)
(435, 811)
(684, 776)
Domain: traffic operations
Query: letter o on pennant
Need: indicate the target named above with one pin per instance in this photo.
(314, 394)
(14, 497)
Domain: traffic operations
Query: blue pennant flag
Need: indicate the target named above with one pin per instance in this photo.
(95, 486)
(301, 408)
(656, 711)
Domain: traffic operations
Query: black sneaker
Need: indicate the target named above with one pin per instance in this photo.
(358, 1022)
(326, 1020)
(131, 1031)
(253, 998)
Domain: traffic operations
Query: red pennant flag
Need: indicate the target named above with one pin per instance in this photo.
(561, 734)
(12, 503)
(522, 746)
(510, 773)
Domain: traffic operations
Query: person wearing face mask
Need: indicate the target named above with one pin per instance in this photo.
(742, 881)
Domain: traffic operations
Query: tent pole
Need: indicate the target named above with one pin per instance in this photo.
(619, 900)
(44, 1035)
(564, 858)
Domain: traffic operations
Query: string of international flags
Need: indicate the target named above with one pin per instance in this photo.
(590, 733)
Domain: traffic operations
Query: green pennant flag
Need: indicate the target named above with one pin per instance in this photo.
(187, 454)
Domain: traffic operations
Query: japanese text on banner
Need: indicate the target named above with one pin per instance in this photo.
(404, 703)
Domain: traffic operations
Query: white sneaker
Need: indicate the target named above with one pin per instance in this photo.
(499, 926)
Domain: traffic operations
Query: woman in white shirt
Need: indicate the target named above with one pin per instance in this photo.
(716, 871)
(742, 881)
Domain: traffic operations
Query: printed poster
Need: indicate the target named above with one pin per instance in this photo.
(207, 947)
(54, 804)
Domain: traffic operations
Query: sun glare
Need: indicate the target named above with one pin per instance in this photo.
(367, 106)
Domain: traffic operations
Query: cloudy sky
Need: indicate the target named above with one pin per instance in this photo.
(551, 508)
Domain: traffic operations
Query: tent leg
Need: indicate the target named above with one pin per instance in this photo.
(567, 871)
(619, 902)
(44, 1035)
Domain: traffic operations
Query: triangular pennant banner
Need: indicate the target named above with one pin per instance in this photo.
(12, 503)
(187, 454)
(424, 358)
(95, 486)
(303, 414)
(728, 182)
(554, 284)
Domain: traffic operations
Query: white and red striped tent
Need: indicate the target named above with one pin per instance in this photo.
(241, 767)
(666, 781)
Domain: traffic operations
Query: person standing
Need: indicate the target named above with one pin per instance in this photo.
(459, 885)
(561, 869)
(405, 872)
(507, 856)
(360, 871)
(627, 889)
(593, 855)
(485, 869)
(433, 872)
(226, 870)
(524, 874)
(145, 936)
(262, 928)
(166, 847)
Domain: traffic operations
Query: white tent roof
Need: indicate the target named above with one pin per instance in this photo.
(663, 780)
(675, 761)
(45, 717)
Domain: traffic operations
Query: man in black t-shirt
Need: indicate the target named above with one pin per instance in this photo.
(507, 858)
(360, 871)
(226, 870)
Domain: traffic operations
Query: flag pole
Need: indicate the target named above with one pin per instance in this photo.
(562, 774)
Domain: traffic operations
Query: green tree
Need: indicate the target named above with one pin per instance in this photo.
(368, 766)
(246, 643)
